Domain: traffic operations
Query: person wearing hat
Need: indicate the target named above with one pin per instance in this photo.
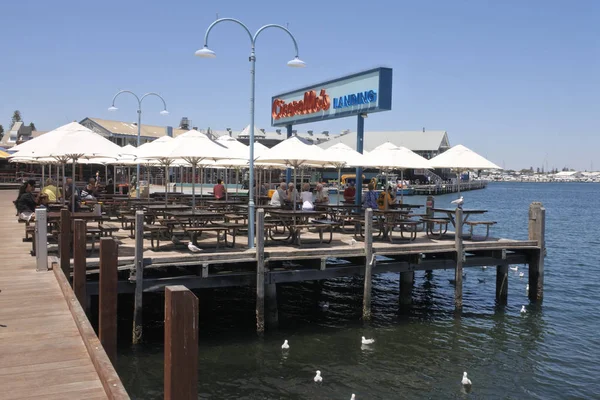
(51, 191)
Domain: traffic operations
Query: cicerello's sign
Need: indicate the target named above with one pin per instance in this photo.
(365, 92)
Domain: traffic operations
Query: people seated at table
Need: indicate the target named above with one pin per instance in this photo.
(90, 191)
(51, 191)
(43, 200)
(110, 187)
(321, 195)
(279, 196)
(385, 200)
(370, 197)
(26, 201)
(349, 193)
(219, 190)
(292, 193)
(306, 197)
(69, 195)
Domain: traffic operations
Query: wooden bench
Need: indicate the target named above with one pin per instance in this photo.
(406, 226)
(487, 224)
(232, 229)
(319, 226)
(195, 231)
(430, 224)
(156, 233)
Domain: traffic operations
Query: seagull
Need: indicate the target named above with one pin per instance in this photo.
(318, 377)
(367, 341)
(353, 397)
(285, 345)
(351, 242)
(175, 240)
(484, 267)
(324, 305)
(459, 202)
(515, 268)
(523, 310)
(465, 381)
(481, 280)
(193, 248)
(527, 289)
(521, 274)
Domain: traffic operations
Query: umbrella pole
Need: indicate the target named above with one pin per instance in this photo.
(193, 187)
(295, 172)
(458, 181)
(202, 174)
(43, 176)
(64, 187)
(73, 188)
(166, 185)
(401, 186)
(237, 180)
(339, 183)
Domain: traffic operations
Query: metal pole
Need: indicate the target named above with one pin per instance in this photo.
(193, 187)
(251, 144)
(360, 128)
(288, 171)
(137, 173)
(73, 188)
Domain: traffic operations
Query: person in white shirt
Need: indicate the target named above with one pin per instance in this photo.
(278, 198)
(306, 197)
(322, 196)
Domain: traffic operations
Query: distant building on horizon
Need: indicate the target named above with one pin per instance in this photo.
(124, 133)
(17, 134)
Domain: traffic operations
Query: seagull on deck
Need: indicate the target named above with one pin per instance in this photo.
(367, 341)
(459, 202)
(318, 377)
(523, 310)
(465, 381)
(351, 242)
(193, 248)
(285, 345)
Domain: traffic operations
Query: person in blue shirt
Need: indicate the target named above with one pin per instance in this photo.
(370, 198)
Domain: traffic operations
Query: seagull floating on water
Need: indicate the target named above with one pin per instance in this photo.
(285, 345)
(484, 267)
(353, 397)
(521, 274)
(515, 268)
(193, 248)
(527, 289)
(481, 280)
(324, 305)
(465, 381)
(318, 377)
(523, 310)
(459, 202)
(367, 341)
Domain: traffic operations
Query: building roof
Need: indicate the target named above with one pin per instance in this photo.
(130, 128)
(413, 140)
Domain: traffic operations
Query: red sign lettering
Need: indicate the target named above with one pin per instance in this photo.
(309, 105)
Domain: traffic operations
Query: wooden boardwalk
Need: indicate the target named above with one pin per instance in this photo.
(42, 352)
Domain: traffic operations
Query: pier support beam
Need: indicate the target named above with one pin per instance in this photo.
(406, 287)
(260, 271)
(107, 302)
(79, 263)
(139, 278)
(65, 242)
(537, 228)
(460, 258)
(181, 344)
(502, 284)
(272, 311)
(369, 261)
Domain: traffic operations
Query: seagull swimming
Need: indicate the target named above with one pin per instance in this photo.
(521, 274)
(324, 305)
(465, 381)
(318, 377)
(285, 345)
(193, 248)
(484, 267)
(367, 341)
(515, 268)
(353, 397)
(481, 280)
(459, 202)
(523, 310)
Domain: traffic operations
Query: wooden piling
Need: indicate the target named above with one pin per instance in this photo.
(537, 231)
(107, 303)
(369, 261)
(429, 206)
(272, 314)
(181, 344)
(501, 284)
(139, 278)
(260, 271)
(460, 256)
(406, 286)
(65, 242)
(79, 263)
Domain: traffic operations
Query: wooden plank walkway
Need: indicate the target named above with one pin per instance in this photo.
(42, 353)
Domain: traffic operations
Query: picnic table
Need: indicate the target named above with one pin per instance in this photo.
(451, 211)
(295, 220)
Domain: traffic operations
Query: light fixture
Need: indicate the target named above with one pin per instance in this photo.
(296, 63)
(205, 52)
(112, 108)
(164, 112)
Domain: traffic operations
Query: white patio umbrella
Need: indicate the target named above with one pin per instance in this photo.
(155, 152)
(461, 158)
(341, 155)
(240, 150)
(389, 156)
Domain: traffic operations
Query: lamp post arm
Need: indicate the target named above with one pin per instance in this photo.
(130, 92)
(223, 20)
(275, 26)
(154, 94)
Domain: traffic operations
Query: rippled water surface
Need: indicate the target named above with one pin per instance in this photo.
(551, 352)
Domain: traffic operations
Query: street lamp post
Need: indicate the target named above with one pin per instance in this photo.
(139, 125)
(296, 62)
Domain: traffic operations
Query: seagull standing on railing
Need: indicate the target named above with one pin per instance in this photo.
(459, 202)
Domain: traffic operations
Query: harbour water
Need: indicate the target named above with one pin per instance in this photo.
(551, 352)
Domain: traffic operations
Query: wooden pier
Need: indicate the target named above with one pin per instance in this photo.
(444, 188)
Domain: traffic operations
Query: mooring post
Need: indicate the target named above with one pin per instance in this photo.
(501, 284)
(406, 286)
(65, 242)
(260, 271)
(537, 231)
(41, 239)
(460, 258)
(429, 213)
(139, 277)
(369, 261)
(272, 314)
(181, 344)
(79, 263)
(107, 302)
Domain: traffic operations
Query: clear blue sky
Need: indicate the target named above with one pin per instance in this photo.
(517, 81)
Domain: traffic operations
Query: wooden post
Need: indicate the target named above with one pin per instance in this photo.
(429, 206)
(460, 254)
(537, 231)
(406, 286)
(79, 263)
(107, 302)
(139, 277)
(369, 261)
(501, 284)
(272, 313)
(41, 239)
(65, 242)
(181, 344)
(260, 271)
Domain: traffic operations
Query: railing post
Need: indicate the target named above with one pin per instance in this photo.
(65, 242)
(181, 344)
(537, 231)
(460, 257)
(139, 277)
(107, 303)
(369, 261)
(79, 262)
(260, 271)
(41, 239)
